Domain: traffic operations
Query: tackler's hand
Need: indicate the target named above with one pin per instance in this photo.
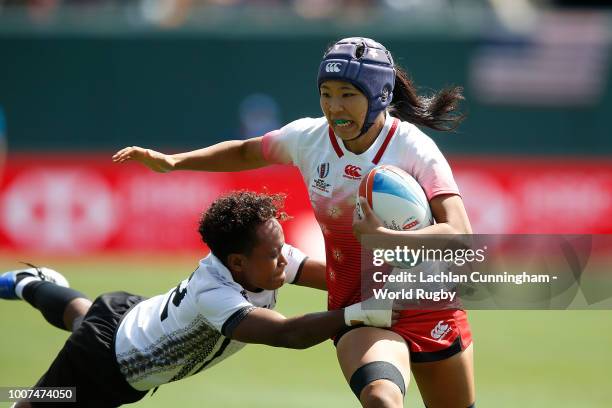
(156, 161)
(365, 222)
(372, 312)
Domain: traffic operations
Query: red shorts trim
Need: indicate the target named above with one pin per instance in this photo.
(434, 335)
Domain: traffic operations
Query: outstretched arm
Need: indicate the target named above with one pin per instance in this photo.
(265, 326)
(233, 155)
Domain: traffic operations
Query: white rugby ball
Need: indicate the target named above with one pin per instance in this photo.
(396, 198)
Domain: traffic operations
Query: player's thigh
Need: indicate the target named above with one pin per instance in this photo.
(447, 383)
(365, 345)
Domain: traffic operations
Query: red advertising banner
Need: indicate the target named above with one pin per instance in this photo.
(83, 202)
(519, 195)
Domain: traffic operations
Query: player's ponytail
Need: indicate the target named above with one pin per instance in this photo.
(439, 111)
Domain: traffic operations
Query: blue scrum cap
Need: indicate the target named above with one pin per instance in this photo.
(367, 65)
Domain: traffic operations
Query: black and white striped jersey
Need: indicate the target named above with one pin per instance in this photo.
(180, 333)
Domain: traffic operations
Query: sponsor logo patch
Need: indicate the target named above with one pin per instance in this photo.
(333, 67)
(410, 225)
(352, 172)
(440, 330)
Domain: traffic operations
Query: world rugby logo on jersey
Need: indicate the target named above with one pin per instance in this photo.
(319, 185)
(323, 170)
(333, 67)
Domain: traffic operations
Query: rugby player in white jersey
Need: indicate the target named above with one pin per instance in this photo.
(123, 345)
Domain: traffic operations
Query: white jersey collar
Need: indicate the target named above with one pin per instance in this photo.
(218, 268)
(223, 272)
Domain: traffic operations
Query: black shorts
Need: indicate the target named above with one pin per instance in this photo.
(87, 361)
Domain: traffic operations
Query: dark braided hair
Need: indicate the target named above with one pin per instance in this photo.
(229, 226)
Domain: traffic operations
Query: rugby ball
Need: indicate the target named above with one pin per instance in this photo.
(396, 198)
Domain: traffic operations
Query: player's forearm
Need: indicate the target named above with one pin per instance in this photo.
(264, 326)
(305, 331)
(231, 155)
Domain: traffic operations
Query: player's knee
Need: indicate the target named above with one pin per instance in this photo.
(75, 312)
(381, 394)
(378, 384)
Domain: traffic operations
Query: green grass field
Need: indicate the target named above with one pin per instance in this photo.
(523, 359)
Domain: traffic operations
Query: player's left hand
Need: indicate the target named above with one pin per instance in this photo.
(156, 161)
(368, 224)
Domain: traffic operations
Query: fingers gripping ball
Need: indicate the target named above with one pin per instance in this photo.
(396, 198)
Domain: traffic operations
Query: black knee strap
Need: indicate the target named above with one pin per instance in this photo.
(376, 370)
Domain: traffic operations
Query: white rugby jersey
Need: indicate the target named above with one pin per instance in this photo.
(178, 334)
(332, 175)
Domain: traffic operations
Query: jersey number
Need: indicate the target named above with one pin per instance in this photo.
(177, 296)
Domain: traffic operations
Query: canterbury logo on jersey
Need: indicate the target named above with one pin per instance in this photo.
(440, 330)
(352, 172)
(333, 67)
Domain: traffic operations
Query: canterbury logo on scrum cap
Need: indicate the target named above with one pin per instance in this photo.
(333, 67)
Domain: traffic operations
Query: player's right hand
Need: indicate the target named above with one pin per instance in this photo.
(154, 160)
(365, 222)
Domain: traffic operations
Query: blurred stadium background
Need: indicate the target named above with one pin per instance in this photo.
(81, 79)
